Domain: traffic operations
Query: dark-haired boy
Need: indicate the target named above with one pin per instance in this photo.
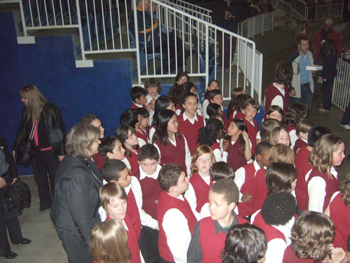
(245, 178)
(215, 96)
(144, 128)
(138, 95)
(175, 216)
(251, 108)
(153, 88)
(208, 239)
(147, 174)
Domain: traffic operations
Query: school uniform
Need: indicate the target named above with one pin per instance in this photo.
(208, 240)
(224, 118)
(141, 138)
(252, 131)
(176, 225)
(303, 167)
(205, 104)
(151, 112)
(136, 106)
(219, 154)
(133, 160)
(198, 192)
(178, 109)
(277, 236)
(239, 116)
(298, 144)
(292, 131)
(151, 132)
(189, 128)
(321, 188)
(176, 152)
(235, 159)
(340, 214)
(260, 190)
(244, 180)
(99, 160)
(290, 257)
(276, 96)
(232, 115)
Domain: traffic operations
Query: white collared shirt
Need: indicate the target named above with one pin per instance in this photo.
(193, 120)
(278, 100)
(154, 176)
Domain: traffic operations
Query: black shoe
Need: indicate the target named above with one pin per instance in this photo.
(43, 209)
(10, 256)
(25, 241)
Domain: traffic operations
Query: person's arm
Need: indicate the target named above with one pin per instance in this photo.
(278, 100)
(239, 180)
(275, 250)
(317, 192)
(218, 155)
(204, 108)
(60, 131)
(178, 234)
(190, 195)
(10, 161)
(194, 252)
(188, 157)
(146, 219)
(248, 148)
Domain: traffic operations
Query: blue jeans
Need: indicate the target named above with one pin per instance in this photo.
(306, 96)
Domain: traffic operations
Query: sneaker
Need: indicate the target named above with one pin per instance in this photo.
(346, 126)
(323, 110)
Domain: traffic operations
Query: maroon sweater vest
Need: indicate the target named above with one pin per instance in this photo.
(134, 106)
(133, 243)
(298, 144)
(225, 120)
(302, 166)
(340, 214)
(190, 131)
(240, 115)
(290, 257)
(211, 243)
(252, 131)
(99, 160)
(142, 136)
(271, 92)
(260, 190)
(133, 213)
(332, 185)
(201, 189)
(133, 160)
(246, 208)
(172, 154)
(165, 203)
(271, 232)
(235, 159)
(150, 194)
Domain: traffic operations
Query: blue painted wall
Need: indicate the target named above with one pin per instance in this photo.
(50, 65)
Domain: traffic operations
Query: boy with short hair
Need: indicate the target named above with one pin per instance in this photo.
(245, 178)
(153, 88)
(144, 128)
(138, 95)
(303, 129)
(221, 170)
(175, 216)
(251, 108)
(208, 239)
(215, 96)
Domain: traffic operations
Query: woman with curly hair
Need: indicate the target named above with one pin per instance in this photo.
(312, 236)
(212, 135)
(340, 201)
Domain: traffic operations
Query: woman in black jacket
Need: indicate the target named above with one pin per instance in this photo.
(75, 204)
(48, 139)
(8, 175)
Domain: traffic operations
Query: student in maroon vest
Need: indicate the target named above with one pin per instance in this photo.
(143, 131)
(302, 133)
(244, 243)
(109, 242)
(245, 175)
(128, 138)
(148, 177)
(277, 93)
(302, 164)
(251, 108)
(322, 181)
(171, 145)
(294, 114)
(175, 216)
(138, 95)
(200, 180)
(240, 150)
(189, 121)
(215, 96)
(115, 205)
(132, 118)
(208, 239)
(276, 219)
(312, 236)
(232, 106)
(213, 84)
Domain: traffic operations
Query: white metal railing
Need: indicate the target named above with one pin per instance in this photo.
(328, 10)
(300, 8)
(290, 13)
(257, 24)
(341, 85)
(195, 10)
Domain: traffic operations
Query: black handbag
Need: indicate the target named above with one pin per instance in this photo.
(25, 155)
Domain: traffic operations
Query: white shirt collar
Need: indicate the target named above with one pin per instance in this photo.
(256, 166)
(188, 118)
(138, 105)
(334, 172)
(153, 176)
(280, 90)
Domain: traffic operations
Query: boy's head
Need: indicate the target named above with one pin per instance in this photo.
(281, 153)
(303, 129)
(172, 179)
(138, 95)
(262, 153)
(130, 117)
(278, 208)
(144, 117)
(215, 96)
(280, 177)
(148, 158)
(240, 101)
(113, 200)
(251, 108)
(213, 108)
(223, 198)
(315, 133)
(112, 148)
(115, 170)
(267, 127)
(152, 86)
(221, 170)
(284, 74)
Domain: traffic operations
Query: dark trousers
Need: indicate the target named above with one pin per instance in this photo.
(306, 97)
(346, 117)
(45, 162)
(327, 93)
(149, 250)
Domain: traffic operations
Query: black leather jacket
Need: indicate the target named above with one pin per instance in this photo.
(54, 124)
